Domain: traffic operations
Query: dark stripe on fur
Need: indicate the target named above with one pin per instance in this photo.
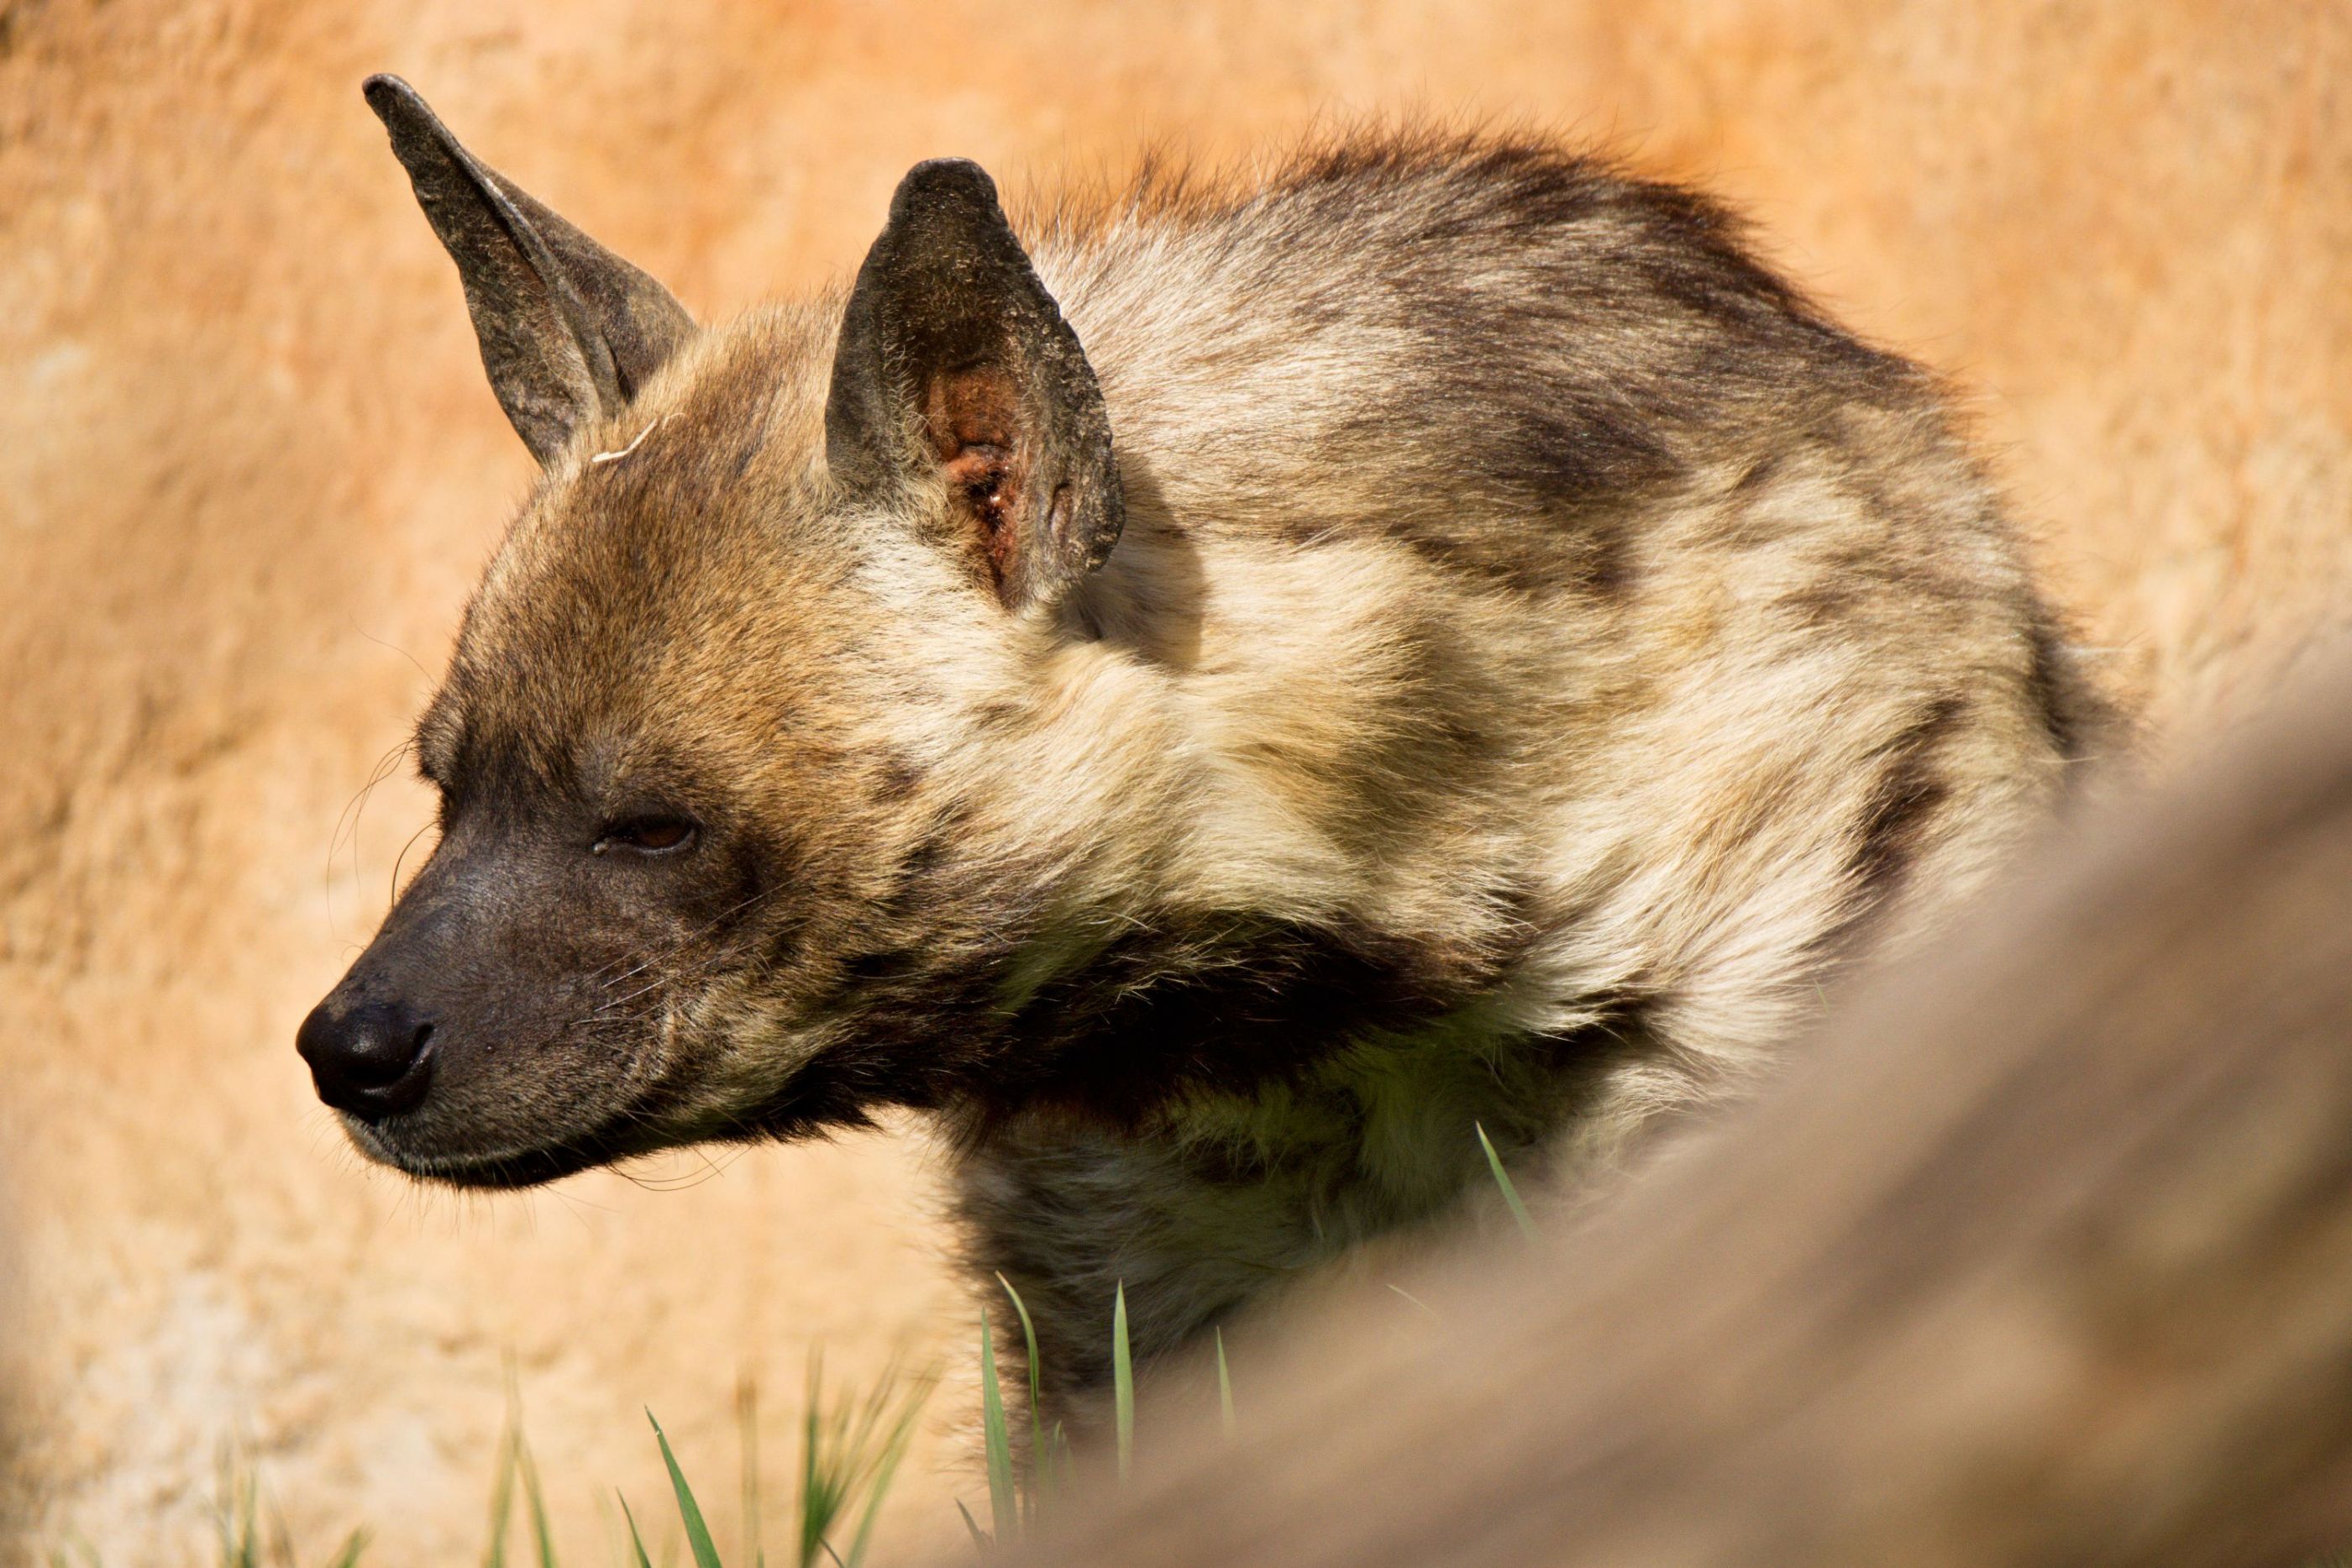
(1894, 819)
(1226, 1007)
(2068, 711)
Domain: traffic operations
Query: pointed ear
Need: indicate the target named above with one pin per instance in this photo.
(956, 371)
(568, 330)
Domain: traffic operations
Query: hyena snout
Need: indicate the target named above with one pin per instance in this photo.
(371, 1059)
(511, 1018)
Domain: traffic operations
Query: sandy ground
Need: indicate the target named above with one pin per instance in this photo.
(249, 469)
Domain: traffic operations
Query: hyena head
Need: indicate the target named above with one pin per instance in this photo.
(722, 749)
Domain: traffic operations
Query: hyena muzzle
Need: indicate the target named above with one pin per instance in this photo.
(1214, 695)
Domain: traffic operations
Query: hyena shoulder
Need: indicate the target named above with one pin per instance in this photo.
(1471, 479)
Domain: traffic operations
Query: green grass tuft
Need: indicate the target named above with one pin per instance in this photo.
(850, 1453)
(1041, 1457)
(250, 1537)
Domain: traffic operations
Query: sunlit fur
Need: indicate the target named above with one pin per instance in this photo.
(1541, 649)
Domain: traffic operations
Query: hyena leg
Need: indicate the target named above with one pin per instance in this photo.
(1071, 1217)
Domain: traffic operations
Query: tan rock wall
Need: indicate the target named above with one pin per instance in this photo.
(249, 469)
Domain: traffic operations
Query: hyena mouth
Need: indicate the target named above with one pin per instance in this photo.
(507, 1169)
(520, 1168)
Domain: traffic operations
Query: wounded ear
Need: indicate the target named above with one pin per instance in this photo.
(956, 369)
(568, 330)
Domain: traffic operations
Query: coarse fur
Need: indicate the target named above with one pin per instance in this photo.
(1521, 650)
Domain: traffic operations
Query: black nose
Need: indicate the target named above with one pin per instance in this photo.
(375, 1060)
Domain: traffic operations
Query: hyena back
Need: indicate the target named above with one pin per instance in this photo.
(1215, 696)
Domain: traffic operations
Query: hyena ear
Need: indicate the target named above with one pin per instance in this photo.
(568, 330)
(956, 369)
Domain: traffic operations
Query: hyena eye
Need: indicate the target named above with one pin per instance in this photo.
(652, 835)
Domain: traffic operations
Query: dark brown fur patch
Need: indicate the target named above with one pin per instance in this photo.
(1152, 1017)
(1906, 796)
(2073, 712)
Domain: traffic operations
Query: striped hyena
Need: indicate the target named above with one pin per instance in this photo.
(1211, 694)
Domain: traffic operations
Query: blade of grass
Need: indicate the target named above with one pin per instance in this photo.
(1503, 1179)
(1040, 1474)
(637, 1541)
(281, 1540)
(1224, 1387)
(1423, 1308)
(240, 1525)
(246, 1549)
(1003, 1507)
(1122, 1382)
(502, 1503)
(348, 1557)
(690, 1513)
(979, 1536)
(746, 1426)
(1057, 1448)
(519, 1466)
(817, 1483)
(542, 1537)
(877, 1485)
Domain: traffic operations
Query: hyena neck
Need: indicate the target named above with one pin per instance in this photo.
(1244, 910)
(1183, 1007)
